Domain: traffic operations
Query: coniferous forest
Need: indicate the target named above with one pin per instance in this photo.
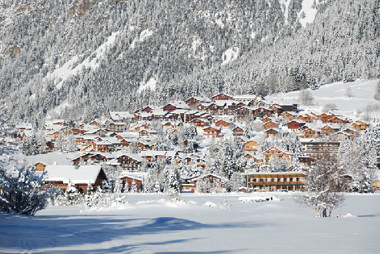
(77, 59)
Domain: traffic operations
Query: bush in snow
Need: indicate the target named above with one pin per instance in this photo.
(21, 191)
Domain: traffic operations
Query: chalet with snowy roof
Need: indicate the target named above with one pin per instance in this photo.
(223, 124)
(237, 131)
(123, 116)
(273, 181)
(251, 146)
(243, 112)
(170, 107)
(315, 147)
(144, 145)
(272, 133)
(339, 120)
(276, 153)
(326, 117)
(79, 176)
(221, 97)
(95, 123)
(39, 166)
(190, 115)
(261, 112)
(200, 123)
(306, 118)
(211, 132)
(231, 106)
(278, 109)
(341, 135)
(151, 155)
(270, 125)
(137, 127)
(103, 146)
(194, 101)
(130, 162)
(287, 116)
(96, 132)
(295, 125)
(307, 132)
(132, 182)
(211, 179)
(78, 131)
(117, 127)
(360, 125)
(329, 129)
(204, 106)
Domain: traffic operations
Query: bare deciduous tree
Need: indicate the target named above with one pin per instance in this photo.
(324, 186)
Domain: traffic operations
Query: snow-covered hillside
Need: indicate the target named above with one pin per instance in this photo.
(351, 98)
(199, 224)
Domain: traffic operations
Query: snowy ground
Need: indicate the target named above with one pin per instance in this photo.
(362, 92)
(201, 224)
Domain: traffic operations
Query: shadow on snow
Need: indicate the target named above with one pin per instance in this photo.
(46, 232)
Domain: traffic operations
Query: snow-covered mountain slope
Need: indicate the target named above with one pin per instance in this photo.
(99, 55)
(351, 99)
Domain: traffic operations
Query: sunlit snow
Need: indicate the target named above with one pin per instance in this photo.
(93, 62)
(309, 11)
(150, 84)
(143, 36)
(362, 92)
(200, 223)
(230, 55)
(285, 7)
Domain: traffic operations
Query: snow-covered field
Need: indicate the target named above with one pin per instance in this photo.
(361, 95)
(225, 223)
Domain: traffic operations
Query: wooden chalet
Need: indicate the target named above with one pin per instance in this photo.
(307, 132)
(132, 182)
(360, 125)
(237, 131)
(130, 162)
(200, 123)
(276, 153)
(328, 130)
(295, 125)
(103, 146)
(273, 181)
(194, 101)
(221, 97)
(270, 125)
(79, 176)
(314, 148)
(272, 133)
(39, 166)
(326, 117)
(211, 132)
(212, 179)
(223, 124)
(117, 127)
(287, 116)
(251, 146)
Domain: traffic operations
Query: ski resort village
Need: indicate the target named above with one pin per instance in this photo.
(224, 143)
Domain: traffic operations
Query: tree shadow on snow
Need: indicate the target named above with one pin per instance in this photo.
(49, 232)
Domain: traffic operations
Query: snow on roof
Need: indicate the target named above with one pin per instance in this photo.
(121, 114)
(134, 156)
(158, 153)
(133, 175)
(66, 173)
